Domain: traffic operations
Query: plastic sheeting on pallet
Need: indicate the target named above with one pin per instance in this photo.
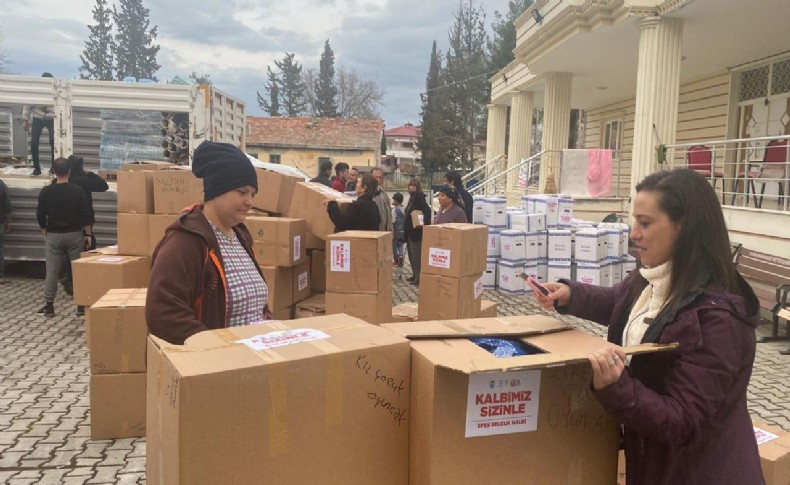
(128, 136)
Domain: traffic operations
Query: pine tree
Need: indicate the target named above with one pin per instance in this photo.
(436, 143)
(467, 78)
(135, 52)
(272, 86)
(503, 42)
(292, 86)
(326, 89)
(97, 57)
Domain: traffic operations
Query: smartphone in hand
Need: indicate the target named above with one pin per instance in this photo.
(533, 282)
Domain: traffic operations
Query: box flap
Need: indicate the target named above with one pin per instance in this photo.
(563, 348)
(358, 235)
(515, 326)
(460, 226)
(120, 298)
(315, 302)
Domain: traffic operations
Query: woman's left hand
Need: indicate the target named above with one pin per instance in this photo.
(607, 365)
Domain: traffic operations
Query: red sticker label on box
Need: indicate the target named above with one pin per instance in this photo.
(439, 258)
(340, 256)
(502, 403)
(281, 338)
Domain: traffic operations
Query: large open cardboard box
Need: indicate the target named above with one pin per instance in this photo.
(319, 400)
(478, 419)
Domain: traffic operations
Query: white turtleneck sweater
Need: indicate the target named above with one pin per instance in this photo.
(649, 303)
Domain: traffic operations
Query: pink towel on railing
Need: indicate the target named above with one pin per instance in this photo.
(599, 172)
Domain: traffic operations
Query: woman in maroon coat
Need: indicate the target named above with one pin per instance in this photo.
(684, 412)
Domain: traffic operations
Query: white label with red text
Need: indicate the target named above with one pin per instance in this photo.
(303, 281)
(340, 254)
(478, 287)
(281, 338)
(502, 403)
(297, 247)
(763, 436)
(439, 258)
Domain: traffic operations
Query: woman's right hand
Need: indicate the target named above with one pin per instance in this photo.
(558, 292)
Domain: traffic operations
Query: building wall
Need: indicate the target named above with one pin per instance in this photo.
(702, 116)
(307, 160)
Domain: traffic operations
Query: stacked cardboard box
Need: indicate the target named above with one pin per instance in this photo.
(308, 203)
(320, 400)
(96, 275)
(315, 306)
(454, 260)
(275, 191)
(477, 418)
(405, 312)
(359, 275)
(278, 243)
(774, 447)
(117, 335)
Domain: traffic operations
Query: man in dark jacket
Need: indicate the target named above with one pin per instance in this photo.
(5, 225)
(324, 173)
(341, 176)
(64, 218)
(453, 179)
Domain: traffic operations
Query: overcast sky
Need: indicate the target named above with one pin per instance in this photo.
(234, 40)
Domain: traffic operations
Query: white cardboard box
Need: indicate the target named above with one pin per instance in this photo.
(490, 275)
(543, 245)
(617, 272)
(559, 244)
(543, 270)
(588, 245)
(565, 212)
(513, 245)
(478, 210)
(493, 248)
(531, 248)
(495, 212)
(606, 274)
(536, 222)
(517, 221)
(508, 277)
(559, 270)
(629, 264)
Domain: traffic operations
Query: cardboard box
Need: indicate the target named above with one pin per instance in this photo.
(309, 401)
(513, 245)
(315, 306)
(308, 203)
(279, 241)
(301, 281)
(275, 191)
(318, 271)
(478, 210)
(490, 274)
(479, 419)
(286, 313)
(558, 270)
(117, 406)
(175, 190)
(359, 262)
(372, 308)
(133, 236)
(621, 468)
(455, 250)
(589, 245)
(405, 312)
(560, 247)
(588, 273)
(147, 165)
(493, 249)
(314, 242)
(488, 309)
(102, 251)
(508, 279)
(157, 226)
(495, 212)
(444, 297)
(774, 447)
(135, 192)
(95, 276)
(417, 218)
(279, 280)
(117, 332)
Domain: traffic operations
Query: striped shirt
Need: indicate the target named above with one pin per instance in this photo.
(246, 292)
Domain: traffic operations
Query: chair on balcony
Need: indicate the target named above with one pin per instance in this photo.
(748, 175)
(700, 159)
(775, 166)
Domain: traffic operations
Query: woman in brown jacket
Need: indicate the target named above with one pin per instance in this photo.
(204, 274)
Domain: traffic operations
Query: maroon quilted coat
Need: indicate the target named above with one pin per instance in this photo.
(684, 412)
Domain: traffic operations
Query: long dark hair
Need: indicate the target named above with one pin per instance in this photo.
(370, 184)
(701, 255)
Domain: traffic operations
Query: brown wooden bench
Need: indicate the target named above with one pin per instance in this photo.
(769, 276)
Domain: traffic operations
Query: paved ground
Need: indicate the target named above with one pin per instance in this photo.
(44, 410)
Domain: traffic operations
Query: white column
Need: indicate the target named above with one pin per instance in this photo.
(497, 124)
(519, 146)
(556, 123)
(657, 92)
(64, 136)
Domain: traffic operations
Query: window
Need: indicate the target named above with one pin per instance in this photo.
(274, 158)
(611, 137)
(765, 81)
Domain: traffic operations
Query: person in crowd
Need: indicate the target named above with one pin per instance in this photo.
(453, 179)
(382, 201)
(324, 173)
(360, 215)
(413, 234)
(204, 275)
(450, 209)
(90, 183)
(37, 118)
(341, 177)
(5, 222)
(684, 411)
(353, 175)
(398, 239)
(64, 219)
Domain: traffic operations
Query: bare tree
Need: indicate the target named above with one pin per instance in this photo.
(310, 79)
(356, 97)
